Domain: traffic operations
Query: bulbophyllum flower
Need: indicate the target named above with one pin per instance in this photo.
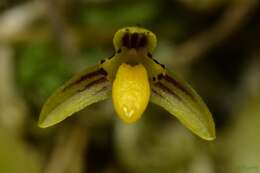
(133, 78)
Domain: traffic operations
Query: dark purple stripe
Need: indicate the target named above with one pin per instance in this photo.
(100, 71)
(126, 40)
(134, 40)
(178, 85)
(98, 81)
(166, 89)
(156, 93)
(143, 41)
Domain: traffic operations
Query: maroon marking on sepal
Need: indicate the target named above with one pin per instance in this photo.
(119, 50)
(163, 66)
(126, 40)
(149, 55)
(143, 41)
(134, 40)
(160, 76)
(166, 89)
(156, 93)
(112, 56)
(102, 61)
(101, 72)
(100, 80)
(178, 85)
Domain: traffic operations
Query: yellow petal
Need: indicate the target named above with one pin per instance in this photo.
(130, 92)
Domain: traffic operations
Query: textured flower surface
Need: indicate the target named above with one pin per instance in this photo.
(133, 78)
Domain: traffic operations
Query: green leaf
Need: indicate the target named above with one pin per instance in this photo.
(179, 99)
(85, 88)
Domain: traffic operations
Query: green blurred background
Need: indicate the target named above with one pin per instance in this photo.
(213, 44)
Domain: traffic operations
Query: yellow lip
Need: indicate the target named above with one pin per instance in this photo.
(130, 92)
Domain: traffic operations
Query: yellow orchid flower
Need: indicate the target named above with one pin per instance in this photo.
(133, 78)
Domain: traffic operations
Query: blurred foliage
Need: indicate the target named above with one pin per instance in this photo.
(15, 156)
(221, 60)
(126, 14)
(38, 74)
